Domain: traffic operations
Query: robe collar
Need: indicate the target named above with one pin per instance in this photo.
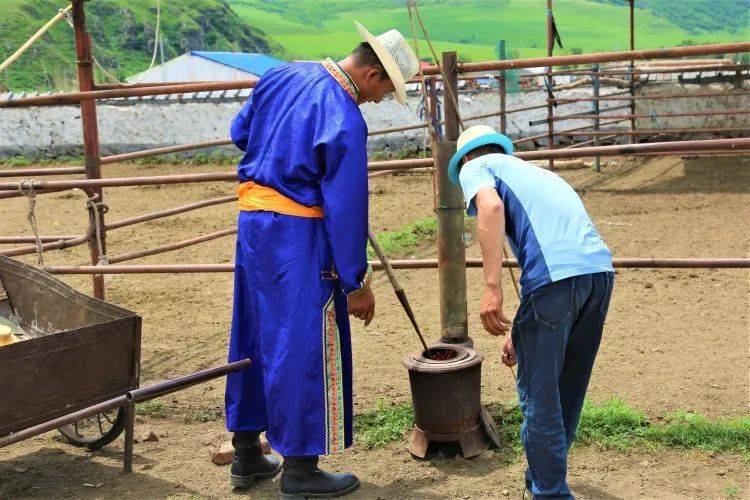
(342, 77)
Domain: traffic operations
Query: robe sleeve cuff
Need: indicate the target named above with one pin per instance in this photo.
(364, 284)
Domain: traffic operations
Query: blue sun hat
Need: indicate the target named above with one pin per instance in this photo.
(472, 138)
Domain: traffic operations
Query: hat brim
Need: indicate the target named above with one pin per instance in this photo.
(483, 140)
(387, 61)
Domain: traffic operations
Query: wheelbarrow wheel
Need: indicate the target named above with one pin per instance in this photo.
(96, 431)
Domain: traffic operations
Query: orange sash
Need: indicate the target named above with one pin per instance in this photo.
(253, 196)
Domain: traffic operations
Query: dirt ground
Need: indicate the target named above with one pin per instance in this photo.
(675, 339)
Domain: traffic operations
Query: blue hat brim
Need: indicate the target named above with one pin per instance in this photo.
(483, 140)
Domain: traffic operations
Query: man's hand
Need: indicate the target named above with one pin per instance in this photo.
(509, 352)
(362, 305)
(491, 312)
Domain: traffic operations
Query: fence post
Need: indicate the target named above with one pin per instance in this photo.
(450, 222)
(91, 158)
(550, 85)
(595, 84)
(502, 89)
(631, 69)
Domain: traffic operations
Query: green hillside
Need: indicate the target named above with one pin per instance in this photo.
(123, 31)
(123, 36)
(313, 29)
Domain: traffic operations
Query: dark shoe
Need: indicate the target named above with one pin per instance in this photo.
(249, 463)
(302, 479)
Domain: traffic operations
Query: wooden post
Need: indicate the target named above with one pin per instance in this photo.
(632, 69)
(502, 89)
(91, 158)
(450, 221)
(434, 114)
(550, 83)
(595, 84)
(451, 113)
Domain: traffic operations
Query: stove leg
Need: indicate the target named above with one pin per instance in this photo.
(419, 443)
(473, 441)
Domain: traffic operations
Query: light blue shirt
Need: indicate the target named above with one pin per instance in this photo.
(548, 228)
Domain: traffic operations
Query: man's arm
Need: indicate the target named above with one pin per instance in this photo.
(345, 210)
(240, 129)
(491, 234)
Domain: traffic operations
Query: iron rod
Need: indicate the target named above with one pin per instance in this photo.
(664, 53)
(613, 97)
(179, 383)
(615, 150)
(575, 116)
(52, 245)
(164, 150)
(646, 71)
(36, 172)
(657, 131)
(397, 288)
(170, 211)
(600, 57)
(590, 141)
(172, 246)
(32, 239)
(56, 423)
(559, 132)
(662, 115)
(73, 98)
(620, 263)
(110, 86)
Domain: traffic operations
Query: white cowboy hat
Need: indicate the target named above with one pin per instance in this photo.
(395, 55)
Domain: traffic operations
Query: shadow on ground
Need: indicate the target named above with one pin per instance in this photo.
(55, 473)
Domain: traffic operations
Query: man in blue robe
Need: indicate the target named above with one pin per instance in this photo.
(301, 262)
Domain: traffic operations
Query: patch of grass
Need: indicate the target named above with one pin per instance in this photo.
(692, 430)
(25, 161)
(732, 491)
(385, 424)
(407, 239)
(205, 415)
(153, 408)
(612, 424)
(203, 158)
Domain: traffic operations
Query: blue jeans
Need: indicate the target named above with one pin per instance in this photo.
(556, 334)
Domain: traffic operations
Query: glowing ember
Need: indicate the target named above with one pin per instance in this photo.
(439, 354)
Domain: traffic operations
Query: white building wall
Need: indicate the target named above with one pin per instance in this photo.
(190, 68)
(56, 130)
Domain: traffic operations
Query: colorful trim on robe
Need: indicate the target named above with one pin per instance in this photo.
(342, 78)
(332, 378)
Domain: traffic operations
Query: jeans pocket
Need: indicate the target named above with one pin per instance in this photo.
(552, 304)
(610, 280)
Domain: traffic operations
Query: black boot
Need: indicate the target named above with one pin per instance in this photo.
(249, 462)
(302, 479)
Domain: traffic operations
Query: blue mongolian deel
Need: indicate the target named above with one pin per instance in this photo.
(257, 64)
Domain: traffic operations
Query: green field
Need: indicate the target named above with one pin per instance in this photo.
(308, 29)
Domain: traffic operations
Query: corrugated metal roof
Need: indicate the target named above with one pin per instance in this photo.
(257, 64)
